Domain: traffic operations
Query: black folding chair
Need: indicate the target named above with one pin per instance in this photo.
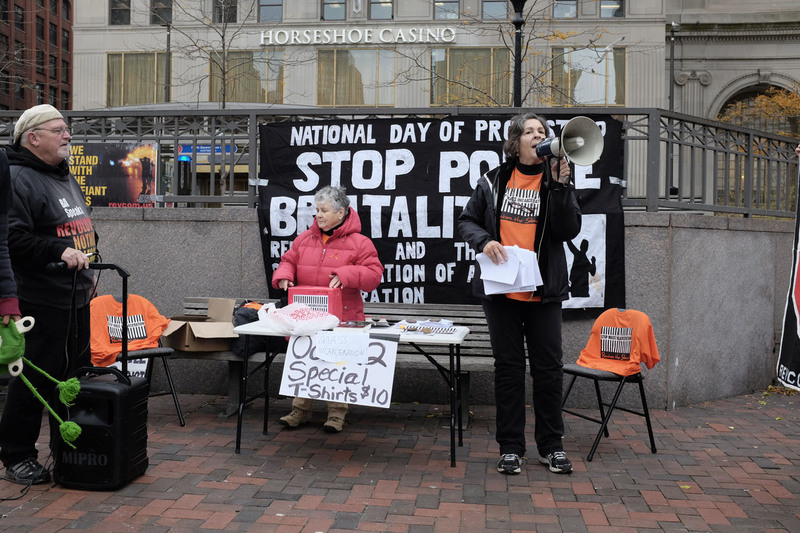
(164, 354)
(597, 376)
(621, 341)
(150, 353)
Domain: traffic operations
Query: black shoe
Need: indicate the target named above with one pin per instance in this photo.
(557, 462)
(509, 463)
(27, 472)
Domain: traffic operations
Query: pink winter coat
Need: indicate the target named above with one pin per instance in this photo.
(348, 254)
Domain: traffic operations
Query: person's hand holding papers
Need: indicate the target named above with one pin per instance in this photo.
(519, 272)
(496, 252)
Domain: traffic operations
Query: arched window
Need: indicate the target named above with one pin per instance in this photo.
(765, 108)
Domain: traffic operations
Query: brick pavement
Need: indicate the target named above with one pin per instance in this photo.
(730, 465)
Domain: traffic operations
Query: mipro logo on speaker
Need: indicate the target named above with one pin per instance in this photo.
(77, 458)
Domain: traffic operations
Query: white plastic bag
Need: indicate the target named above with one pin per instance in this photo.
(300, 319)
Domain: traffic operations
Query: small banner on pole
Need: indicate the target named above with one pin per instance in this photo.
(788, 370)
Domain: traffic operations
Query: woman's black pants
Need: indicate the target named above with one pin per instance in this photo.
(512, 325)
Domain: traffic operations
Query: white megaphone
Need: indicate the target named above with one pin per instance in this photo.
(581, 141)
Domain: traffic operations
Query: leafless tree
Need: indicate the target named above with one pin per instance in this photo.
(207, 38)
(207, 41)
(537, 81)
(15, 64)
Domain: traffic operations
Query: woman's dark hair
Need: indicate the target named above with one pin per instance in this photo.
(515, 127)
(336, 196)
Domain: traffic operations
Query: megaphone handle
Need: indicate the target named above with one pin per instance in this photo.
(552, 182)
(548, 172)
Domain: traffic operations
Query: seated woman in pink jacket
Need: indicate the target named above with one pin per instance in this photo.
(331, 253)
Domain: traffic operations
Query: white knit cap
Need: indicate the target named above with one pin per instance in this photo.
(35, 116)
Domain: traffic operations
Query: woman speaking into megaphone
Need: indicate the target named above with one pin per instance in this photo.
(517, 204)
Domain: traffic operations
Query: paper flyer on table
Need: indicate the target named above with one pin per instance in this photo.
(518, 274)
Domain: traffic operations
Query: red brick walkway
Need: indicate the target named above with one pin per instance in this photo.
(729, 465)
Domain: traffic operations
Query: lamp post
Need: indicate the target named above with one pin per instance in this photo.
(518, 22)
(673, 189)
(168, 65)
(675, 27)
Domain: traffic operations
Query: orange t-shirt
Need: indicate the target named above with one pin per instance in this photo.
(519, 215)
(621, 340)
(145, 325)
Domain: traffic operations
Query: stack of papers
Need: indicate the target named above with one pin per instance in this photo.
(520, 273)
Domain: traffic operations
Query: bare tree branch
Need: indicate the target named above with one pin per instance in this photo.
(538, 34)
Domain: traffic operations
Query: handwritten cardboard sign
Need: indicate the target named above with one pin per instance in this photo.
(136, 367)
(362, 376)
(342, 346)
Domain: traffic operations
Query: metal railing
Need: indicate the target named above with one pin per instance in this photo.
(704, 165)
(672, 161)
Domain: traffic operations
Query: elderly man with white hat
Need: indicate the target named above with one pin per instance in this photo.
(48, 223)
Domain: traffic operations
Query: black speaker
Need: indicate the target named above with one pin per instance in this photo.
(111, 410)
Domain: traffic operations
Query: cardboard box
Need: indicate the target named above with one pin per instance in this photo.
(203, 334)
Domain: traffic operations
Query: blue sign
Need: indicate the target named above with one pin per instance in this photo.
(201, 149)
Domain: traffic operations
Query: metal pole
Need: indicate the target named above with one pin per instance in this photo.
(672, 70)
(674, 27)
(168, 75)
(518, 23)
(673, 189)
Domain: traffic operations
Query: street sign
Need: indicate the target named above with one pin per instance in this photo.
(202, 149)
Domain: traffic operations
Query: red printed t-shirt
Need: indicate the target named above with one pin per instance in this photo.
(519, 215)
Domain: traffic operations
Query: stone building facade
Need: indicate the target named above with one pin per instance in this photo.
(726, 50)
(430, 53)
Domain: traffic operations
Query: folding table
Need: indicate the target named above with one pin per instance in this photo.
(451, 373)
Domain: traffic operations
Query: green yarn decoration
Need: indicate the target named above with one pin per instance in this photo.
(12, 350)
(68, 433)
(67, 390)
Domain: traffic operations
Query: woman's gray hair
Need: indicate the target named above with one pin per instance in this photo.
(516, 125)
(336, 196)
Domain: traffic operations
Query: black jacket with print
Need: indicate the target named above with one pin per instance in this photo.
(479, 223)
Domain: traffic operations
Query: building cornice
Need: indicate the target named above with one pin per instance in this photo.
(789, 31)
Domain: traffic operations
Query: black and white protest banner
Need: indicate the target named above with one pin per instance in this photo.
(596, 257)
(788, 370)
(409, 179)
